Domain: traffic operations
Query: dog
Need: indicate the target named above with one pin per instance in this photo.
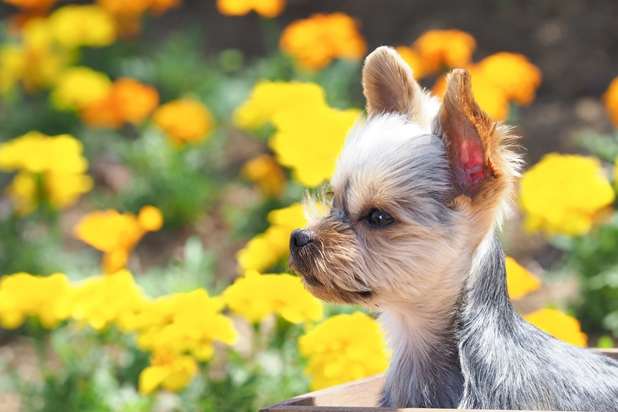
(418, 196)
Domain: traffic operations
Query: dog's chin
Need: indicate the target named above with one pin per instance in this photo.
(328, 293)
(341, 296)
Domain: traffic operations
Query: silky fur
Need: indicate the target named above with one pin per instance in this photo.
(437, 274)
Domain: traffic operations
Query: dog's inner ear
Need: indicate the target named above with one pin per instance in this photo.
(388, 84)
(468, 135)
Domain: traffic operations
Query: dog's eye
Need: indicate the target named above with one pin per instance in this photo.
(379, 218)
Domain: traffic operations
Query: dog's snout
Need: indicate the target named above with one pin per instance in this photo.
(300, 238)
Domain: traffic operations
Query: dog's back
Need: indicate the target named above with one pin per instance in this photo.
(508, 363)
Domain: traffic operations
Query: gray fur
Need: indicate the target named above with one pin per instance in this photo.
(493, 359)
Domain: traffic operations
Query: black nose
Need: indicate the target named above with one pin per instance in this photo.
(300, 238)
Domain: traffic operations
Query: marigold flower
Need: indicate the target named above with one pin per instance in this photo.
(309, 139)
(150, 218)
(184, 120)
(269, 98)
(128, 101)
(519, 281)
(171, 371)
(266, 8)
(512, 73)
(57, 161)
(12, 60)
(267, 248)
(255, 297)
(103, 301)
(611, 101)
(116, 234)
(37, 152)
(559, 325)
(315, 41)
(182, 323)
(266, 173)
(47, 298)
(78, 87)
(344, 348)
(43, 61)
(450, 48)
(563, 194)
(82, 25)
(32, 5)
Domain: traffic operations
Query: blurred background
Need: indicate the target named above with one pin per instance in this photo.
(153, 154)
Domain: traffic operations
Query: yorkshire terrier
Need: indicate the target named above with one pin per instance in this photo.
(418, 196)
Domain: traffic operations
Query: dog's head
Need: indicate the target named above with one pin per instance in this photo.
(416, 188)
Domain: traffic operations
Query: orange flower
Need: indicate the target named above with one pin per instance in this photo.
(266, 8)
(451, 48)
(266, 173)
(32, 4)
(184, 120)
(611, 101)
(128, 13)
(128, 101)
(314, 42)
(512, 73)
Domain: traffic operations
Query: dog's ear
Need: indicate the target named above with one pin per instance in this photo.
(388, 84)
(468, 134)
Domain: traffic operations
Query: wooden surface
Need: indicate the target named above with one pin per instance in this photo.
(358, 396)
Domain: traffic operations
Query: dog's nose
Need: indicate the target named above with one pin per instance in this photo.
(300, 238)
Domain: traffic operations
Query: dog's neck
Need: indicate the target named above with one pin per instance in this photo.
(426, 368)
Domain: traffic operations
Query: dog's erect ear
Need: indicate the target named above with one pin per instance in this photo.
(388, 84)
(468, 135)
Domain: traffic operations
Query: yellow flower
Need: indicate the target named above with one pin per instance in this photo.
(150, 218)
(559, 325)
(79, 86)
(267, 248)
(43, 60)
(414, 60)
(611, 101)
(451, 48)
(36, 152)
(315, 41)
(255, 297)
(116, 234)
(128, 101)
(266, 173)
(519, 281)
(184, 120)
(171, 371)
(63, 189)
(563, 194)
(344, 348)
(269, 98)
(103, 301)
(82, 25)
(12, 60)
(56, 160)
(309, 139)
(46, 298)
(512, 73)
(181, 323)
(266, 8)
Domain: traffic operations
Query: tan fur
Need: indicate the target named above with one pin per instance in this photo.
(389, 85)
